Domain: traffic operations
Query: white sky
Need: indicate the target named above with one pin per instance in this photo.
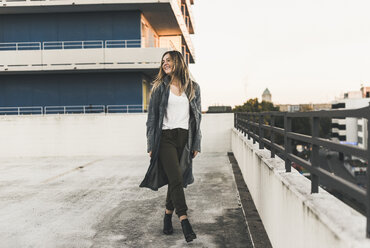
(303, 51)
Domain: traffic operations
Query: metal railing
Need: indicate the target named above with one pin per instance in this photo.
(61, 45)
(84, 109)
(261, 128)
(78, 109)
(21, 110)
(125, 109)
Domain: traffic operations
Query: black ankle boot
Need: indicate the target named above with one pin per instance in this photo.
(167, 224)
(187, 230)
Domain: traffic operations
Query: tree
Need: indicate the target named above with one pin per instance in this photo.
(252, 105)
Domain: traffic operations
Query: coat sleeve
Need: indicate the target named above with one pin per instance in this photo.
(150, 123)
(198, 133)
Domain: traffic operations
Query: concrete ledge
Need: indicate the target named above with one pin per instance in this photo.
(95, 134)
(292, 216)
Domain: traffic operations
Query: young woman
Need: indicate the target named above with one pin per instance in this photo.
(173, 136)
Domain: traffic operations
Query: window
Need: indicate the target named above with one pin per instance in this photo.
(342, 127)
(359, 128)
(148, 36)
(338, 105)
(360, 140)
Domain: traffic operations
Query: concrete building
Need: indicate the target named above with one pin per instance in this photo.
(352, 94)
(88, 52)
(351, 131)
(303, 107)
(266, 96)
(365, 92)
(219, 109)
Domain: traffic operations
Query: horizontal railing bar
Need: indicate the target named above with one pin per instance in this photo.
(325, 143)
(264, 126)
(345, 113)
(75, 106)
(341, 147)
(255, 124)
(329, 144)
(268, 142)
(275, 113)
(69, 44)
(278, 130)
(254, 136)
(279, 148)
(337, 113)
(275, 129)
(338, 182)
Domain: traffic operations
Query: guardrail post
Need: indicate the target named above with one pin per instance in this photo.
(64, 109)
(260, 132)
(368, 181)
(253, 129)
(315, 121)
(19, 111)
(272, 138)
(287, 142)
(243, 124)
(236, 120)
(248, 126)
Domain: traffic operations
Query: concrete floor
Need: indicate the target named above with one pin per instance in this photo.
(96, 202)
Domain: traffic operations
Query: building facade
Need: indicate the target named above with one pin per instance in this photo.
(56, 53)
(350, 131)
(303, 107)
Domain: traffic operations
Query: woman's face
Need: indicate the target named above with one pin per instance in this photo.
(167, 64)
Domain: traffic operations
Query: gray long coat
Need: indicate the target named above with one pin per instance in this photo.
(155, 176)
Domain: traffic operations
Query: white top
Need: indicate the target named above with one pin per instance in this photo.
(177, 115)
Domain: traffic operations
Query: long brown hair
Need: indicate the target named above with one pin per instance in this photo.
(180, 70)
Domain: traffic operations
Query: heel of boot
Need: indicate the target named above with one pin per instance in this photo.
(189, 234)
(167, 224)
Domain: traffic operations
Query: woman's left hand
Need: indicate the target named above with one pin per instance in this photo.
(195, 153)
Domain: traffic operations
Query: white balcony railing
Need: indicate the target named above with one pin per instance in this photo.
(63, 1)
(80, 109)
(71, 55)
(49, 45)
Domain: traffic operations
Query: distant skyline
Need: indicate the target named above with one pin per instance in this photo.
(302, 51)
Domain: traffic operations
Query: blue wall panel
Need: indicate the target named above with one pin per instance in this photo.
(113, 25)
(121, 88)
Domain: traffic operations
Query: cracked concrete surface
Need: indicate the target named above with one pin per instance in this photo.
(96, 202)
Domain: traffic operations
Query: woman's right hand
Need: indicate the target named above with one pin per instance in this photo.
(150, 154)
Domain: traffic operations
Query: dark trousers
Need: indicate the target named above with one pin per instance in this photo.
(172, 144)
